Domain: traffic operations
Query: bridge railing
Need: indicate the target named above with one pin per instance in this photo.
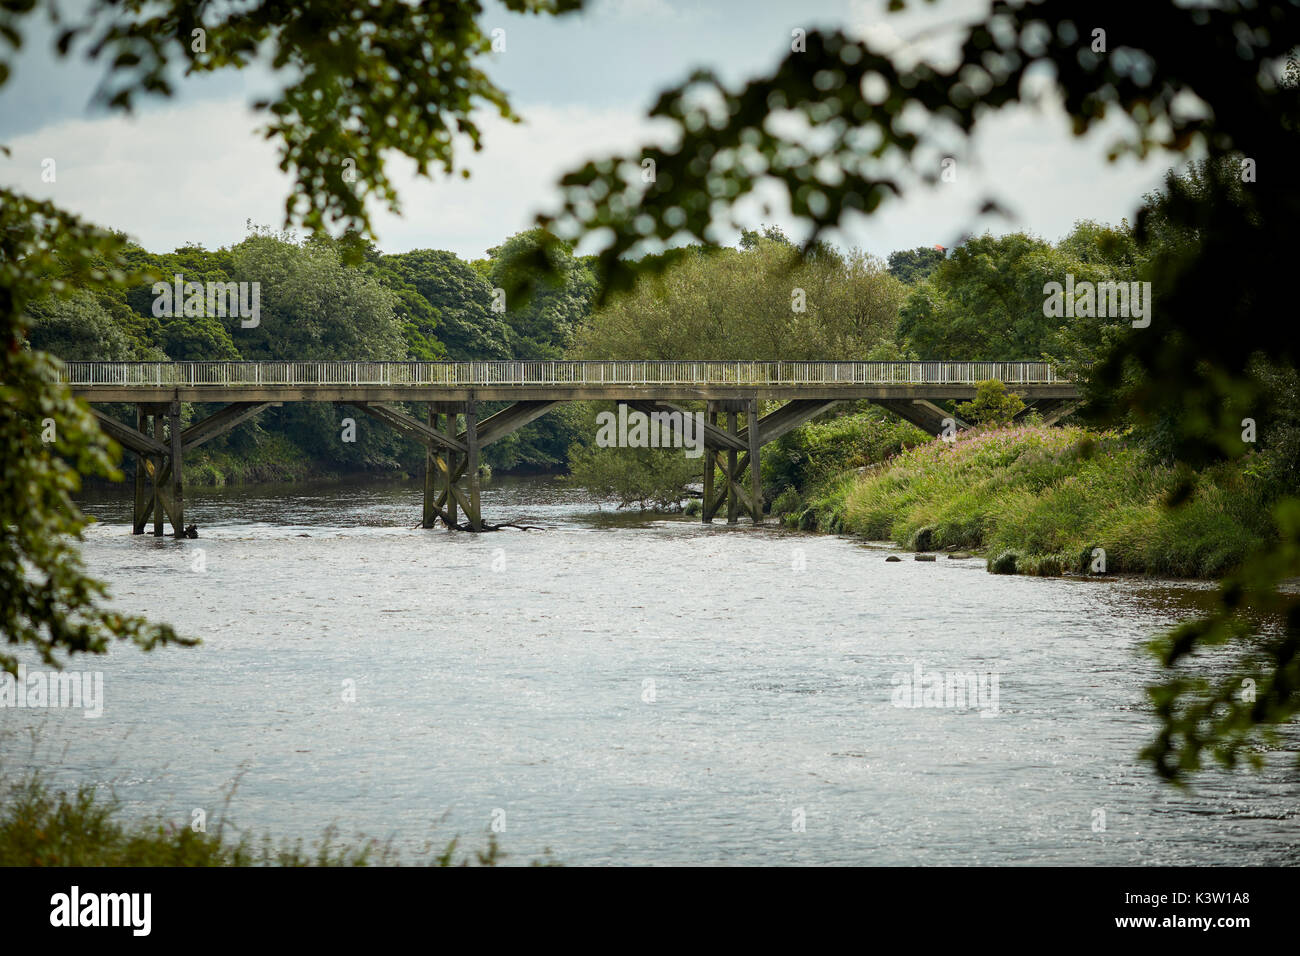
(525, 373)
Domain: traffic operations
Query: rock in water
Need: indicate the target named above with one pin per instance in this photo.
(893, 557)
(924, 557)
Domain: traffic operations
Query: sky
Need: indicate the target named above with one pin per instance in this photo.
(193, 169)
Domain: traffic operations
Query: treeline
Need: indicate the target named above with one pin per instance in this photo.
(320, 300)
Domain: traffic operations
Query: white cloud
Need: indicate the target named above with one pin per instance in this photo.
(632, 10)
(197, 172)
(193, 172)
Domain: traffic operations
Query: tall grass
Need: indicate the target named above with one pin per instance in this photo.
(1039, 500)
(43, 827)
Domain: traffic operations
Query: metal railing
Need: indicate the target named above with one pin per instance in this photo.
(650, 372)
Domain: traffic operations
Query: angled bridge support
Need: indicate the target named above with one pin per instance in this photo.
(451, 465)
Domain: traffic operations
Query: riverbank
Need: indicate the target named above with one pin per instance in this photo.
(1039, 500)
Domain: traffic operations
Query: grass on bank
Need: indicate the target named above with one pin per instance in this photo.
(1039, 500)
(43, 827)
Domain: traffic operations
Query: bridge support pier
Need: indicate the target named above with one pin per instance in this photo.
(924, 414)
(451, 479)
(159, 459)
(733, 453)
(444, 467)
(1051, 410)
(158, 468)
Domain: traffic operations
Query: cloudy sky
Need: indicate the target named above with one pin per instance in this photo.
(193, 170)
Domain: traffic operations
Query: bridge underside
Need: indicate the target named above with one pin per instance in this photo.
(454, 437)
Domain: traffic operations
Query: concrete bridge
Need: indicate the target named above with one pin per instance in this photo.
(452, 392)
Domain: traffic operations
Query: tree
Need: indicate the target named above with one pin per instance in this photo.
(75, 327)
(912, 265)
(765, 302)
(199, 338)
(992, 405)
(458, 305)
(750, 238)
(852, 103)
(654, 478)
(985, 301)
(541, 316)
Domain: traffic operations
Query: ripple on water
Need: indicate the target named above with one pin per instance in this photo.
(634, 690)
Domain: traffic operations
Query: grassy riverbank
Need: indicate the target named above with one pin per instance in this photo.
(1038, 500)
(43, 827)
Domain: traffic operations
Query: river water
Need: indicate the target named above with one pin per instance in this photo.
(627, 689)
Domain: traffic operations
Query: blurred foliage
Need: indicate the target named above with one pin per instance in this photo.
(48, 440)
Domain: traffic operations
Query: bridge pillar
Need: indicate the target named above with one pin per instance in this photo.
(444, 467)
(733, 502)
(159, 489)
(141, 474)
(755, 472)
(177, 459)
(712, 461)
(157, 475)
(732, 462)
(474, 513)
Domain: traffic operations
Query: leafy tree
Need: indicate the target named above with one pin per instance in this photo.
(1095, 242)
(992, 405)
(649, 478)
(457, 305)
(313, 305)
(750, 238)
(912, 265)
(985, 301)
(541, 316)
(199, 338)
(765, 302)
(75, 327)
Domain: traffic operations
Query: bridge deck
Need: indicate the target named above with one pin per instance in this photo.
(563, 381)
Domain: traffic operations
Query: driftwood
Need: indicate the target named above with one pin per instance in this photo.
(486, 527)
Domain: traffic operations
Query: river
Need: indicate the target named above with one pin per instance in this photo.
(629, 689)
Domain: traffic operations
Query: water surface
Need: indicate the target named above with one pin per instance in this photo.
(624, 689)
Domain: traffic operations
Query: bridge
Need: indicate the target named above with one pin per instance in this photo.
(453, 391)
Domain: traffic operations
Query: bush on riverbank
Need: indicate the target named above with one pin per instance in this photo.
(834, 445)
(1040, 500)
(41, 827)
